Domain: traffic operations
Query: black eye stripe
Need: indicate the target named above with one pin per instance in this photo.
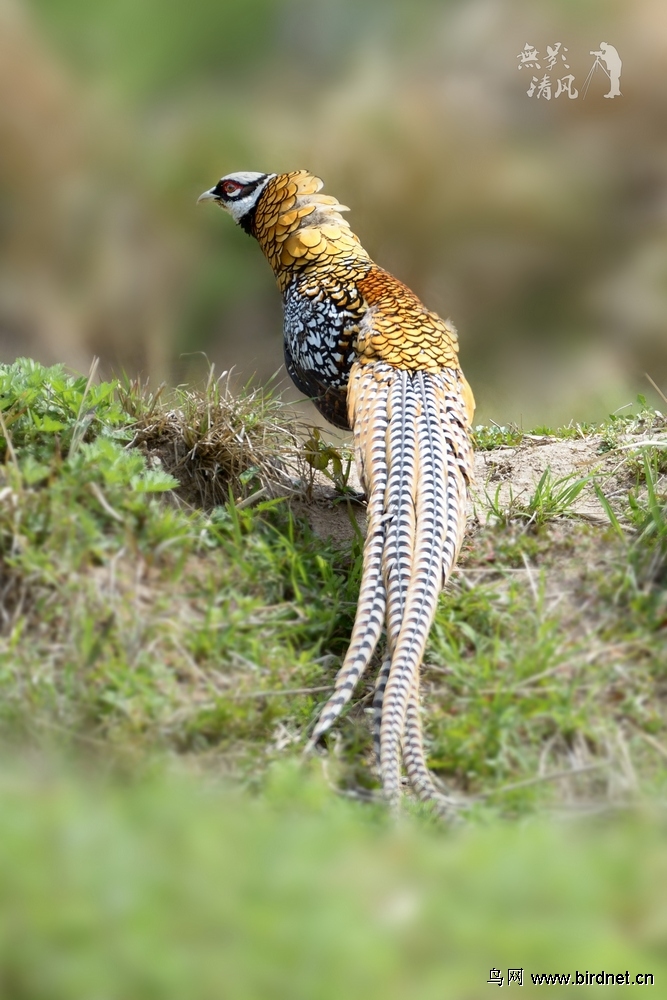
(222, 193)
(240, 192)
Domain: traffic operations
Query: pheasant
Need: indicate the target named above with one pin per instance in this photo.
(374, 360)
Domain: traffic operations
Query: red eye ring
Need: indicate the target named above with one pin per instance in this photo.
(231, 187)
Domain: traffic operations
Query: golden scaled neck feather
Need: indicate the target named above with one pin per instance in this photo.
(297, 227)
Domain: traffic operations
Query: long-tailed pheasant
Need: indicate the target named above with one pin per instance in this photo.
(372, 358)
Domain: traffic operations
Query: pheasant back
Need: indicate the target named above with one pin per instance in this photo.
(372, 358)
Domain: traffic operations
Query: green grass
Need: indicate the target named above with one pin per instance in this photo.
(551, 499)
(169, 628)
(160, 596)
(486, 438)
(141, 622)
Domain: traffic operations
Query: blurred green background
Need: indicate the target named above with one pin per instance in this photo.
(156, 891)
(539, 227)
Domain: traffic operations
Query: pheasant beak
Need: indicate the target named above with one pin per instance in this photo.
(208, 196)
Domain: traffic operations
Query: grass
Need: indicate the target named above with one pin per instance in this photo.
(143, 622)
(553, 497)
(486, 438)
(169, 626)
(161, 596)
(213, 439)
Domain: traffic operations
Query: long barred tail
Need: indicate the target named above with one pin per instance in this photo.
(370, 432)
(414, 457)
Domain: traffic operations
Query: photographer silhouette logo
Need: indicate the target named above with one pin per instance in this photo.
(612, 67)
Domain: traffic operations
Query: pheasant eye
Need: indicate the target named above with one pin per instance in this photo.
(231, 187)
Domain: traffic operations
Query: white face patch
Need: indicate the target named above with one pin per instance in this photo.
(238, 193)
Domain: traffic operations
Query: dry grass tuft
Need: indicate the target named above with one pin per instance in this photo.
(217, 442)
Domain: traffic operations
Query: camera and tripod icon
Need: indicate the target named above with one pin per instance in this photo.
(611, 68)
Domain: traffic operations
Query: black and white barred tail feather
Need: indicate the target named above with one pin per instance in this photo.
(425, 580)
(378, 698)
(413, 454)
(370, 440)
(414, 758)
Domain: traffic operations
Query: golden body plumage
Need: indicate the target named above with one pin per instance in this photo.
(372, 357)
